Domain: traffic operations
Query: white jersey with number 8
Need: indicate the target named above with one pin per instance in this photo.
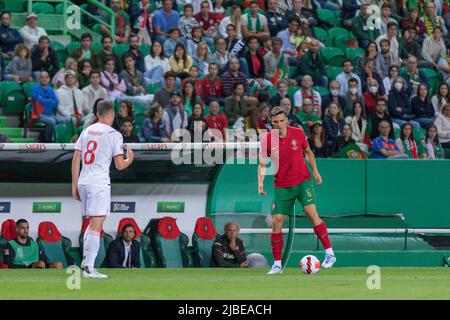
(99, 144)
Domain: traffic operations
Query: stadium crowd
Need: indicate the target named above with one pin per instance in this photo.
(224, 64)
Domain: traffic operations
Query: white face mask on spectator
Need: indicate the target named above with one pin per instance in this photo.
(353, 90)
(373, 89)
(334, 92)
(398, 86)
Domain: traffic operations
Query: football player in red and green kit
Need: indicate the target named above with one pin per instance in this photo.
(292, 182)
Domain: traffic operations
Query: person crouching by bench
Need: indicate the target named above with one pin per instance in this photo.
(24, 252)
(124, 252)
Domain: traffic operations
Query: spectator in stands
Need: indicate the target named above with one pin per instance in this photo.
(175, 118)
(212, 86)
(292, 39)
(92, 119)
(352, 96)
(84, 73)
(20, 68)
(360, 26)
(122, 23)
(124, 252)
(312, 64)
(85, 51)
(197, 124)
(23, 252)
(264, 112)
(233, 76)
(282, 93)
(219, 8)
(156, 64)
(255, 64)
(187, 21)
(367, 73)
(134, 51)
(108, 52)
(71, 100)
(165, 19)
(441, 98)
(345, 76)
(180, 62)
(305, 16)
(399, 104)
(386, 17)
(306, 117)
(358, 123)
(434, 51)
(384, 147)
(317, 141)
(162, 96)
(432, 21)
(371, 54)
(142, 21)
(376, 117)
(113, 83)
(385, 59)
(92, 93)
(31, 33)
(43, 58)
(173, 39)
(235, 45)
(388, 80)
(9, 37)
(254, 23)
(409, 47)
(274, 62)
(221, 57)
(44, 103)
(349, 10)
(153, 129)
(334, 88)
(201, 58)
(228, 249)
(125, 112)
(275, 20)
(422, 107)
(209, 21)
(371, 95)
(286, 104)
(391, 35)
(408, 145)
(217, 123)
(236, 103)
(234, 19)
(442, 124)
(333, 122)
(431, 144)
(134, 80)
(126, 129)
(344, 139)
(413, 76)
(59, 78)
(306, 91)
(414, 20)
(190, 97)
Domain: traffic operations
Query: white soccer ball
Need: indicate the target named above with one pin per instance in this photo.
(309, 264)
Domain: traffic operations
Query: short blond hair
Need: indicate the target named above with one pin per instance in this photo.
(231, 223)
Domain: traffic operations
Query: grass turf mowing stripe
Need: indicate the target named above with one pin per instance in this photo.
(342, 283)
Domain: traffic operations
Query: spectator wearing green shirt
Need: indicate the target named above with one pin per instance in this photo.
(306, 117)
(122, 23)
(361, 27)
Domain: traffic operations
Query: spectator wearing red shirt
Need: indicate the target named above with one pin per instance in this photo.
(193, 77)
(209, 21)
(217, 121)
(371, 96)
(212, 86)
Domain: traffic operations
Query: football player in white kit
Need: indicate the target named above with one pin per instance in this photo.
(97, 145)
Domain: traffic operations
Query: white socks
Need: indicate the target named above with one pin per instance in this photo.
(277, 263)
(329, 251)
(91, 247)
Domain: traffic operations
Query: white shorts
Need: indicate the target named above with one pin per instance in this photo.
(95, 201)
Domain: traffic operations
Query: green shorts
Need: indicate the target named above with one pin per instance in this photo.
(284, 199)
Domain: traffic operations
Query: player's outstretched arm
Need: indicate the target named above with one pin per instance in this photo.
(75, 173)
(261, 175)
(121, 163)
(312, 162)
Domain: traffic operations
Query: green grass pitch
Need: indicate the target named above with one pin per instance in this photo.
(339, 283)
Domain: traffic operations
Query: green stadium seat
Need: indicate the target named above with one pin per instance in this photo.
(11, 132)
(338, 31)
(139, 109)
(2, 121)
(35, 126)
(97, 28)
(333, 72)
(65, 132)
(333, 56)
(27, 87)
(419, 134)
(121, 48)
(57, 45)
(54, 246)
(15, 5)
(396, 133)
(202, 241)
(434, 79)
(328, 16)
(354, 53)
(22, 140)
(169, 243)
(59, 8)
(97, 47)
(322, 90)
(345, 41)
(322, 36)
(144, 49)
(7, 87)
(43, 7)
(153, 88)
(72, 46)
(61, 56)
(14, 102)
(147, 256)
(105, 240)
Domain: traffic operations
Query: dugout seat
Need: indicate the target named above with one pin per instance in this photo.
(8, 232)
(202, 241)
(105, 240)
(54, 246)
(147, 256)
(169, 243)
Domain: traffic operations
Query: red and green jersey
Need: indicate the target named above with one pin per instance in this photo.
(287, 155)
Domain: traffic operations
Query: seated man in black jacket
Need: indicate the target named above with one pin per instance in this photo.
(124, 252)
(228, 249)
